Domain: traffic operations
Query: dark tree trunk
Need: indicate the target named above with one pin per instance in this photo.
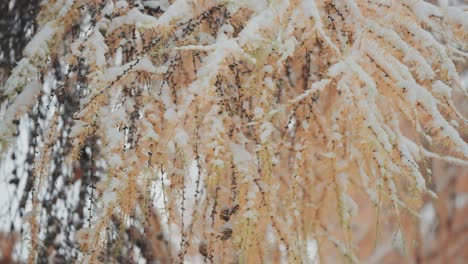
(17, 25)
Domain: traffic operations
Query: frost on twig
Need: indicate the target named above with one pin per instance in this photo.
(231, 129)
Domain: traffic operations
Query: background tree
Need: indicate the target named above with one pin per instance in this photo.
(233, 131)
